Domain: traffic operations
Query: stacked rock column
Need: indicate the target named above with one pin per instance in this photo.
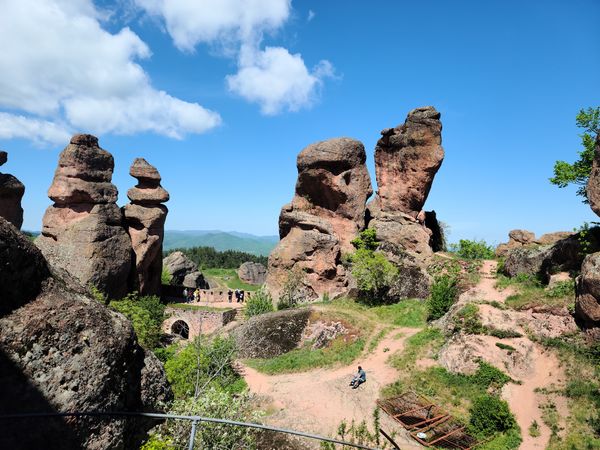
(145, 220)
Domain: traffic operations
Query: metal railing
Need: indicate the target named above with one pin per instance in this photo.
(195, 420)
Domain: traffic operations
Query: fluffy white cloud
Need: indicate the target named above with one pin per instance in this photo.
(40, 131)
(273, 78)
(58, 65)
(190, 22)
(278, 80)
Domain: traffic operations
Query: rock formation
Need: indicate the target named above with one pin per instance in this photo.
(145, 219)
(63, 351)
(183, 271)
(523, 238)
(83, 237)
(326, 213)
(252, 273)
(587, 303)
(11, 193)
(406, 160)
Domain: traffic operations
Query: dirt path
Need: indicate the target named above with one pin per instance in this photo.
(522, 398)
(318, 400)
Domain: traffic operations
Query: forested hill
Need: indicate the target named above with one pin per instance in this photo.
(209, 258)
(221, 241)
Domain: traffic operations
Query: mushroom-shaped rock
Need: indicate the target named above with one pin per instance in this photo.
(145, 219)
(83, 238)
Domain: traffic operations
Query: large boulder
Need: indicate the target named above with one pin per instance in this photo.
(524, 238)
(178, 266)
(272, 334)
(407, 158)
(145, 220)
(587, 304)
(83, 238)
(61, 351)
(593, 185)
(326, 213)
(11, 193)
(252, 273)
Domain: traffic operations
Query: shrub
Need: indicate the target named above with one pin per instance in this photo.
(374, 275)
(468, 249)
(508, 348)
(443, 295)
(562, 289)
(468, 320)
(260, 303)
(366, 240)
(165, 277)
(213, 403)
(489, 376)
(293, 290)
(146, 314)
(490, 415)
(201, 364)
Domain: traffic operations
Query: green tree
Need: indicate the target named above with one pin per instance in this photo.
(578, 172)
(468, 249)
(374, 275)
(146, 313)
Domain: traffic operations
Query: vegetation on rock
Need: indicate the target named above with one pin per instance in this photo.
(146, 313)
(468, 249)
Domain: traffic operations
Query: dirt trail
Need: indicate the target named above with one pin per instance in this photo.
(318, 400)
(523, 399)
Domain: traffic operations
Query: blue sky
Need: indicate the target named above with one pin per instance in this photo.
(221, 102)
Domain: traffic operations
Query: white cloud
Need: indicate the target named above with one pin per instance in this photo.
(41, 131)
(278, 80)
(275, 79)
(311, 15)
(58, 65)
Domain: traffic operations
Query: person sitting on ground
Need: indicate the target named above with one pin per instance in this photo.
(359, 378)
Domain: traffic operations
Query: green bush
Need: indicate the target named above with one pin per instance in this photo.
(201, 364)
(490, 415)
(259, 303)
(489, 376)
(146, 314)
(468, 249)
(562, 289)
(366, 240)
(443, 295)
(293, 290)
(468, 320)
(374, 275)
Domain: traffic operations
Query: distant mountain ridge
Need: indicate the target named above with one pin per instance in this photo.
(220, 240)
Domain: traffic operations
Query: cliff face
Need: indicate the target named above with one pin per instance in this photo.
(63, 351)
(329, 207)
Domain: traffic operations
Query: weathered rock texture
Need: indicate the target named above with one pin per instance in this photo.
(83, 237)
(406, 160)
(326, 213)
(145, 219)
(587, 302)
(252, 273)
(62, 351)
(183, 271)
(524, 238)
(11, 193)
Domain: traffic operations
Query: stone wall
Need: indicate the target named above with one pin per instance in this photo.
(199, 321)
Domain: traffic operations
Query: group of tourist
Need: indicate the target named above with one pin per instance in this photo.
(194, 295)
(239, 296)
(191, 295)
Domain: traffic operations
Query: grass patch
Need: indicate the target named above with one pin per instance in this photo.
(410, 313)
(377, 339)
(303, 359)
(534, 429)
(229, 278)
(508, 348)
(532, 294)
(581, 363)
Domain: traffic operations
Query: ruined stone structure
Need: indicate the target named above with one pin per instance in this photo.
(329, 208)
(145, 219)
(11, 193)
(326, 213)
(190, 323)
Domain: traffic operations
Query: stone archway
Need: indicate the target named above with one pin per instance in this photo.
(181, 328)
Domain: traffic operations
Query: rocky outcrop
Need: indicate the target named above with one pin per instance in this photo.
(272, 334)
(11, 193)
(183, 271)
(542, 260)
(252, 273)
(326, 213)
(587, 305)
(63, 351)
(524, 238)
(83, 238)
(593, 185)
(145, 220)
(406, 160)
